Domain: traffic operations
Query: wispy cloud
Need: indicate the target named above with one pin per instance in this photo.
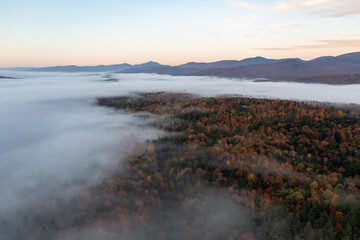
(260, 35)
(295, 5)
(287, 25)
(342, 43)
(333, 44)
(325, 8)
(352, 35)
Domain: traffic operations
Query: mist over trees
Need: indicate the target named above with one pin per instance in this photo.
(228, 167)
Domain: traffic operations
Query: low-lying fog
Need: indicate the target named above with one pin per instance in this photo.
(52, 133)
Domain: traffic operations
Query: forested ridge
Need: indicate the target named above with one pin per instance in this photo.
(296, 165)
(229, 168)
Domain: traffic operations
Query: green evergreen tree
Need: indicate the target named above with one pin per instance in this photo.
(347, 233)
(309, 233)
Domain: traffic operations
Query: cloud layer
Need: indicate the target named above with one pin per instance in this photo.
(54, 140)
(326, 8)
(342, 43)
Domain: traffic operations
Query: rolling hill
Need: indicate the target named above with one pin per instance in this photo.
(266, 68)
(288, 69)
(99, 68)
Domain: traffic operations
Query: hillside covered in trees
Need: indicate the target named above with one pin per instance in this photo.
(296, 166)
(229, 168)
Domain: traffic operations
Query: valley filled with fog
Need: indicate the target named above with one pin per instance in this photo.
(52, 133)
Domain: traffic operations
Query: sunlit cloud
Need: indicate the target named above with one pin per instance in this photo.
(226, 29)
(325, 8)
(352, 35)
(295, 5)
(286, 25)
(342, 43)
(332, 44)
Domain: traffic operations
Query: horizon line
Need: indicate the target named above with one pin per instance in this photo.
(151, 61)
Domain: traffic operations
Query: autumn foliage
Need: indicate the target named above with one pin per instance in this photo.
(230, 168)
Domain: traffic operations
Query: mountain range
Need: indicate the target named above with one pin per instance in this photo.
(99, 68)
(257, 67)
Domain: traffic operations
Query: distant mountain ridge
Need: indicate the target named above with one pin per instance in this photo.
(325, 66)
(236, 63)
(73, 68)
(257, 67)
(260, 67)
(98, 68)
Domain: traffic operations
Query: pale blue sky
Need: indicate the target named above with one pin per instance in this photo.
(63, 32)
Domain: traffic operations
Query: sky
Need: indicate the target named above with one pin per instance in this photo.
(37, 33)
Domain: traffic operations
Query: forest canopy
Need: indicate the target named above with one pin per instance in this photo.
(229, 168)
(296, 165)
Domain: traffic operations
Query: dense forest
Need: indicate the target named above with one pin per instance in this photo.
(229, 168)
(295, 165)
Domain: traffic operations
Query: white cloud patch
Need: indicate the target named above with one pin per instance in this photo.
(325, 8)
(340, 43)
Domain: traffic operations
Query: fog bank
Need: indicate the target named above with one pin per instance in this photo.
(53, 137)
